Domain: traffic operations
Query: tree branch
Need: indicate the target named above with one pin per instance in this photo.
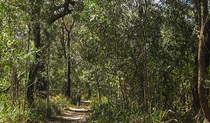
(197, 14)
(63, 13)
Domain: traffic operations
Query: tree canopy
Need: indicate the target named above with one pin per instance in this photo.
(135, 60)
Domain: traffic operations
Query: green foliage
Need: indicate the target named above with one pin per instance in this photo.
(107, 112)
(38, 111)
(60, 102)
(116, 51)
(10, 113)
(42, 109)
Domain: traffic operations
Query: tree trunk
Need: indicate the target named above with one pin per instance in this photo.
(87, 84)
(35, 14)
(37, 37)
(15, 85)
(99, 88)
(68, 91)
(30, 86)
(203, 59)
(201, 78)
(194, 88)
(48, 80)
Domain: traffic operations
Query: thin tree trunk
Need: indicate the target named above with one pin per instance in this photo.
(48, 80)
(122, 91)
(30, 86)
(14, 85)
(98, 87)
(197, 16)
(26, 69)
(68, 90)
(87, 84)
(196, 104)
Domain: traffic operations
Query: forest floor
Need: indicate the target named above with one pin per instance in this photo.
(73, 114)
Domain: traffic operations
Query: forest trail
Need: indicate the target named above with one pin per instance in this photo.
(73, 115)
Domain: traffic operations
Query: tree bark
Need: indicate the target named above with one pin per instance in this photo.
(37, 37)
(203, 60)
(30, 86)
(65, 11)
(87, 84)
(68, 90)
(194, 88)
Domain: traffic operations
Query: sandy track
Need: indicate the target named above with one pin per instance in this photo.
(73, 115)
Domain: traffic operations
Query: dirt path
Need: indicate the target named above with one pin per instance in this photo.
(73, 115)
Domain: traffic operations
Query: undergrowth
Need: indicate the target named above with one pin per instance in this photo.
(39, 111)
(107, 112)
(43, 109)
(11, 112)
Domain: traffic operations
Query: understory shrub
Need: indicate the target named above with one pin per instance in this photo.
(11, 112)
(42, 109)
(107, 112)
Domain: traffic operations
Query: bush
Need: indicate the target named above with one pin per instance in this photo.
(108, 112)
(11, 113)
(42, 110)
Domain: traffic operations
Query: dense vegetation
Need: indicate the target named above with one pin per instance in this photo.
(144, 61)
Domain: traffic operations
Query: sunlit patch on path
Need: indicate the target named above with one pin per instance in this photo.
(73, 114)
